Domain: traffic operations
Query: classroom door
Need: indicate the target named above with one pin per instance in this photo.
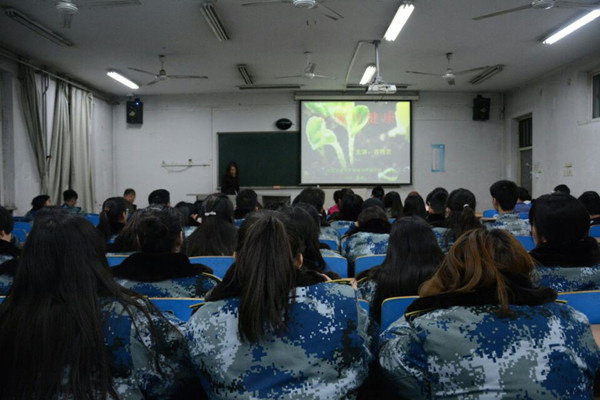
(525, 152)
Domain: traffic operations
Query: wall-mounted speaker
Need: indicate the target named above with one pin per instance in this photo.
(481, 108)
(283, 123)
(135, 112)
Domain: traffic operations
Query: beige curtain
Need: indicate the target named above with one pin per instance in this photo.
(81, 180)
(60, 148)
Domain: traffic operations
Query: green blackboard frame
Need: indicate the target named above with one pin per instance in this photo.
(265, 159)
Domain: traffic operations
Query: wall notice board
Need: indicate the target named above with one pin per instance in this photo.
(264, 158)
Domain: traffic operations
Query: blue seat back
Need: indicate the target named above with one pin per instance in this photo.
(219, 265)
(333, 244)
(20, 234)
(527, 242)
(586, 302)
(238, 222)
(524, 215)
(113, 261)
(393, 308)
(180, 307)
(489, 213)
(363, 263)
(338, 265)
(26, 226)
(364, 304)
(595, 231)
(93, 218)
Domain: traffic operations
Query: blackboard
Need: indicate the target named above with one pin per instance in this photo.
(264, 158)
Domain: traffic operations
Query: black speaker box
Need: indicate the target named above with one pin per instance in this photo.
(135, 112)
(481, 109)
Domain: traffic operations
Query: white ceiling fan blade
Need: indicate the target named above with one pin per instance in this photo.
(421, 73)
(265, 2)
(336, 15)
(323, 76)
(466, 71)
(107, 3)
(495, 14)
(187, 76)
(572, 4)
(153, 82)
(141, 70)
(291, 76)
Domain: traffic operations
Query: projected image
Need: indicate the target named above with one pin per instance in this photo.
(361, 142)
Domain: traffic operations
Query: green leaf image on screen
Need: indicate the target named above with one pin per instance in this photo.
(390, 175)
(319, 137)
(352, 118)
(402, 121)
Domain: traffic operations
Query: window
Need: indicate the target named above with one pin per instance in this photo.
(596, 96)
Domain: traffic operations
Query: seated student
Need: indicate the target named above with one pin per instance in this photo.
(189, 217)
(69, 200)
(351, 207)
(414, 205)
(112, 218)
(129, 196)
(481, 330)
(159, 270)
(9, 253)
(216, 235)
(337, 198)
(245, 202)
(412, 257)
(371, 235)
(562, 188)
(591, 201)
(316, 198)
(460, 217)
(300, 217)
(269, 333)
(393, 205)
(69, 331)
(37, 204)
(159, 198)
(126, 240)
(523, 202)
(436, 207)
(569, 259)
(377, 192)
(504, 198)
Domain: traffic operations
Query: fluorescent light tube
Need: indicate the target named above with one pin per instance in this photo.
(586, 19)
(243, 70)
(213, 21)
(398, 22)
(35, 26)
(368, 75)
(121, 79)
(486, 74)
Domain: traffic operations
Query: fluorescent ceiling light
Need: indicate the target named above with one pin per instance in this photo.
(368, 75)
(213, 21)
(121, 79)
(586, 19)
(486, 74)
(35, 26)
(399, 20)
(243, 70)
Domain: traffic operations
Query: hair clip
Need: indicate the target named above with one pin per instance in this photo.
(208, 214)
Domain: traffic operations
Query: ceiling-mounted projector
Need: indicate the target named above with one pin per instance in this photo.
(381, 88)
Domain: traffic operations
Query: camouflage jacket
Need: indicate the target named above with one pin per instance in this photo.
(329, 233)
(324, 354)
(469, 352)
(511, 222)
(445, 238)
(148, 361)
(364, 244)
(568, 279)
(164, 275)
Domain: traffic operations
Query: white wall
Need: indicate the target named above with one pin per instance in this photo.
(563, 131)
(179, 128)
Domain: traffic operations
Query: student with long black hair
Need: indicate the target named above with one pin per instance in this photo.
(159, 269)
(216, 235)
(412, 257)
(460, 217)
(262, 333)
(9, 253)
(67, 330)
(113, 217)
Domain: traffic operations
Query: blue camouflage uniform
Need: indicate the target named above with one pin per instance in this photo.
(147, 361)
(364, 244)
(568, 279)
(512, 223)
(329, 233)
(190, 286)
(366, 290)
(324, 353)
(444, 237)
(545, 352)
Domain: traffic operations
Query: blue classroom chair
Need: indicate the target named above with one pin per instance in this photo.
(364, 304)
(393, 308)
(93, 218)
(219, 265)
(527, 242)
(113, 261)
(489, 213)
(20, 234)
(333, 244)
(363, 263)
(181, 307)
(524, 215)
(585, 302)
(26, 226)
(338, 265)
(595, 231)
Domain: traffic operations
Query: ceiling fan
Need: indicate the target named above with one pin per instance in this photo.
(449, 76)
(309, 70)
(543, 5)
(330, 13)
(162, 74)
(67, 8)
